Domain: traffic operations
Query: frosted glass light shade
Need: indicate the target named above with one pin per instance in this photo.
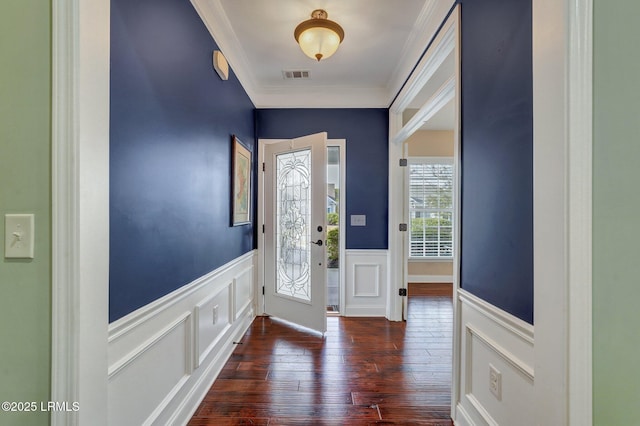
(319, 41)
(319, 37)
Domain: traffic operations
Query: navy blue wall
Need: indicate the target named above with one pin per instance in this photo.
(497, 154)
(367, 134)
(171, 124)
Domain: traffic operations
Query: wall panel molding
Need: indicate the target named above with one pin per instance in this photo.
(518, 364)
(242, 288)
(180, 411)
(504, 319)
(125, 361)
(366, 282)
(210, 320)
(187, 337)
(165, 360)
(145, 313)
(493, 337)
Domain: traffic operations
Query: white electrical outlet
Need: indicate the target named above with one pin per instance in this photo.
(18, 231)
(215, 314)
(495, 382)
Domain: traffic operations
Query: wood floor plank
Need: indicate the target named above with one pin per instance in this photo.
(363, 371)
(294, 397)
(436, 398)
(239, 385)
(229, 421)
(285, 409)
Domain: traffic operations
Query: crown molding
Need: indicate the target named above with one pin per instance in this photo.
(215, 19)
(426, 27)
(322, 97)
(443, 44)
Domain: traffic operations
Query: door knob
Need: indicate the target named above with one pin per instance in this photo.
(318, 243)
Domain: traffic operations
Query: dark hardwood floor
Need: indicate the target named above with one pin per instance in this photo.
(366, 371)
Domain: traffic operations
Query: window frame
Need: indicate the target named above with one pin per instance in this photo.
(429, 160)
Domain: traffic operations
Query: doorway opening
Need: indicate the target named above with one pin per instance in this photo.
(423, 190)
(336, 228)
(429, 204)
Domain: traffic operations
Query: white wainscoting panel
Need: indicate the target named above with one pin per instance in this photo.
(164, 360)
(491, 337)
(243, 289)
(366, 280)
(366, 283)
(164, 356)
(213, 317)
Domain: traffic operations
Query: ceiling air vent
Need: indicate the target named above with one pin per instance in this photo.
(296, 74)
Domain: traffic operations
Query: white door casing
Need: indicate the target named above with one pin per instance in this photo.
(295, 230)
(446, 42)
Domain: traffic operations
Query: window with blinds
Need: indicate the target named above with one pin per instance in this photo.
(431, 207)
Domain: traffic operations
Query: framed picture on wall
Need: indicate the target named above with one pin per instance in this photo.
(241, 182)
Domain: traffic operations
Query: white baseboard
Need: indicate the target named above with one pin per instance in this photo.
(364, 311)
(462, 417)
(164, 356)
(429, 279)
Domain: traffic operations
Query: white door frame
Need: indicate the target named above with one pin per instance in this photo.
(562, 84)
(341, 143)
(445, 42)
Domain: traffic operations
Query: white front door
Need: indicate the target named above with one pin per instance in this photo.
(295, 195)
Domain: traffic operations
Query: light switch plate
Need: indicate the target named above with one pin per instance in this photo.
(18, 236)
(358, 220)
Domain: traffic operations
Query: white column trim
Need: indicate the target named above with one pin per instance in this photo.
(64, 277)
(396, 270)
(457, 214)
(550, 212)
(562, 81)
(580, 170)
(80, 204)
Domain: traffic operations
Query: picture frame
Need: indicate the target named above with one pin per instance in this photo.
(241, 183)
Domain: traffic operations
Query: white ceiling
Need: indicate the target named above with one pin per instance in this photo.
(383, 41)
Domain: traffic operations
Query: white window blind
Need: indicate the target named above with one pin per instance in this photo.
(431, 207)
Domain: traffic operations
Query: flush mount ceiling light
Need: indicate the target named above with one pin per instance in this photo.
(319, 37)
